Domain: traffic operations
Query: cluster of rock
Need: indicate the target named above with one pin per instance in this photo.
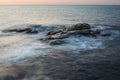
(56, 37)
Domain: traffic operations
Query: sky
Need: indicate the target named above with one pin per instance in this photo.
(82, 2)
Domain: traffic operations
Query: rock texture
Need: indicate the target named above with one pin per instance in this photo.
(84, 29)
(57, 36)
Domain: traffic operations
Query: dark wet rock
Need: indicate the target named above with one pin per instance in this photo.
(62, 32)
(23, 30)
(46, 38)
(56, 42)
(86, 32)
(13, 30)
(31, 31)
(62, 35)
(53, 32)
(106, 35)
(81, 32)
(82, 29)
(95, 32)
(79, 26)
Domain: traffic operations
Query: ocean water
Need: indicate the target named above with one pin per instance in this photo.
(14, 15)
(19, 52)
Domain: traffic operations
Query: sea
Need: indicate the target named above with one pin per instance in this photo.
(25, 57)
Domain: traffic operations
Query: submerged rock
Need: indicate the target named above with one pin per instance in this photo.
(53, 32)
(106, 35)
(13, 30)
(31, 31)
(56, 42)
(62, 35)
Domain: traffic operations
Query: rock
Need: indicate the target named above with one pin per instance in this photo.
(84, 32)
(67, 34)
(56, 37)
(79, 32)
(56, 42)
(106, 35)
(23, 30)
(31, 31)
(53, 32)
(80, 26)
(62, 36)
(20, 30)
(95, 32)
(13, 30)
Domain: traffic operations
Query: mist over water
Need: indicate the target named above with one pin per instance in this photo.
(25, 57)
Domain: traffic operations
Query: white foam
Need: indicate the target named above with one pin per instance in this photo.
(22, 48)
(100, 27)
(81, 43)
(23, 52)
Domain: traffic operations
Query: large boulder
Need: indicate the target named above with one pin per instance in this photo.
(79, 26)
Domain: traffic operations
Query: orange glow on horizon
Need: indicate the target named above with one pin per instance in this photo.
(60, 2)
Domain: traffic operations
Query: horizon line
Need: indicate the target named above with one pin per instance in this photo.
(57, 4)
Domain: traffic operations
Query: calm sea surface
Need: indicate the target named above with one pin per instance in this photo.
(12, 15)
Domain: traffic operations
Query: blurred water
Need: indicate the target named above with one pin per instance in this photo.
(17, 16)
(21, 52)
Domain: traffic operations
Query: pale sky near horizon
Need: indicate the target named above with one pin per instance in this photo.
(96, 2)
